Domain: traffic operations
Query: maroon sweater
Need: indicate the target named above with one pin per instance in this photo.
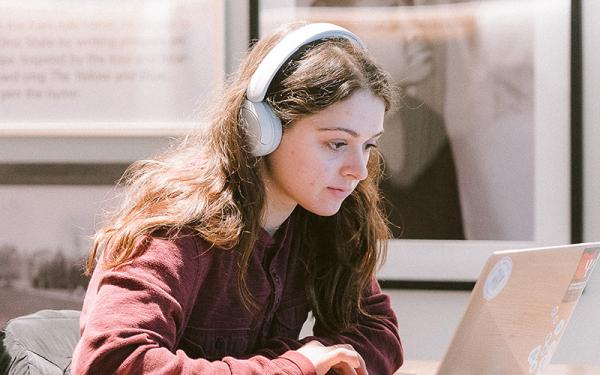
(175, 309)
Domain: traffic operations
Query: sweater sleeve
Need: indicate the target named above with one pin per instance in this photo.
(376, 339)
(134, 315)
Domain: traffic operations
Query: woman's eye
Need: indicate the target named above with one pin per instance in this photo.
(369, 146)
(336, 145)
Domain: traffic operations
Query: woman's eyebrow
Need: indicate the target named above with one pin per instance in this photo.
(349, 131)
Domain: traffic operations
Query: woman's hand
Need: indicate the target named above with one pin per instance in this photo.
(342, 358)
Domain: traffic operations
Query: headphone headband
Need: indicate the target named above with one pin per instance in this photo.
(272, 62)
(262, 124)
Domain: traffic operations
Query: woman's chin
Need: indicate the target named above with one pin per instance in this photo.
(324, 211)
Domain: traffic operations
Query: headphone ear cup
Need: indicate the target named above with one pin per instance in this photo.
(263, 127)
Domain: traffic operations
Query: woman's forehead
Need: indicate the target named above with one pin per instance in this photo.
(361, 115)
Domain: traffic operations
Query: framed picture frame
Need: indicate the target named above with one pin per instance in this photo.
(46, 238)
(479, 152)
(108, 68)
(591, 118)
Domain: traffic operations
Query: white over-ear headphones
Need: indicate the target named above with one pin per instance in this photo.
(263, 126)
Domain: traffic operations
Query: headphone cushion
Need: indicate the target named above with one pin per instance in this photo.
(263, 127)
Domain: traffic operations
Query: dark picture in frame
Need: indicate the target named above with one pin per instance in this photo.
(477, 153)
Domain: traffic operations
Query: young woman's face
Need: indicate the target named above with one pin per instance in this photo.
(323, 157)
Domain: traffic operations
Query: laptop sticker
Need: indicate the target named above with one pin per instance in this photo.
(588, 260)
(497, 278)
(540, 355)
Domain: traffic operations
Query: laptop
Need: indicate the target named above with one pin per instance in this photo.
(519, 309)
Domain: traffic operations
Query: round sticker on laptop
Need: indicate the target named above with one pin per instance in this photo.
(497, 278)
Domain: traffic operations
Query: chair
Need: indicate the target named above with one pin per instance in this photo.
(39, 343)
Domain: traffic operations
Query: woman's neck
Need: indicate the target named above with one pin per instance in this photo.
(274, 216)
(278, 206)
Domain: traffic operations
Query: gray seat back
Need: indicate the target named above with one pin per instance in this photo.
(39, 343)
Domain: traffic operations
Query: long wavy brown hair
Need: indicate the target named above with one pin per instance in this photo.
(209, 182)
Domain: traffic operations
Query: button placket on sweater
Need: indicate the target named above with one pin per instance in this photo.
(270, 308)
(278, 290)
(274, 257)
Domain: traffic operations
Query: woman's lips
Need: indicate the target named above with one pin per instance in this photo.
(341, 193)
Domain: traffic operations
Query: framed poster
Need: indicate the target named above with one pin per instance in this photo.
(46, 237)
(591, 119)
(478, 153)
(108, 67)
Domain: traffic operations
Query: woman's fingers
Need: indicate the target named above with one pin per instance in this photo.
(344, 369)
(362, 370)
(342, 358)
(345, 355)
(355, 364)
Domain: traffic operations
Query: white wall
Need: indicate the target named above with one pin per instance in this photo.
(237, 29)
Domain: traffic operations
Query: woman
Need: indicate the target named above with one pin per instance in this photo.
(225, 243)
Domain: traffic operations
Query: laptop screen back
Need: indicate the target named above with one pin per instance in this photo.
(519, 309)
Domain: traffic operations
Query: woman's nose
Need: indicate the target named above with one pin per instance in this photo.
(356, 165)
